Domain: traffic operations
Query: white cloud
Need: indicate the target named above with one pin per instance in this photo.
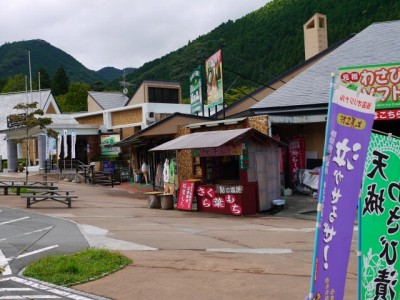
(118, 33)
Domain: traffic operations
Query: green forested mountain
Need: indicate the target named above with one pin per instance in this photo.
(266, 42)
(111, 73)
(256, 48)
(14, 60)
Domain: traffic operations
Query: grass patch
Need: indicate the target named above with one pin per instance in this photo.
(80, 267)
(22, 190)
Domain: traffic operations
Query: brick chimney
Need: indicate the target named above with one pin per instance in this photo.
(315, 35)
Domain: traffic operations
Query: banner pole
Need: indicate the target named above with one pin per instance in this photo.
(320, 190)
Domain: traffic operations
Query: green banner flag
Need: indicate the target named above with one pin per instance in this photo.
(196, 100)
(380, 220)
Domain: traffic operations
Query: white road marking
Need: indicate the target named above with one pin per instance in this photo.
(15, 289)
(29, 297)
(252, 251)
(96, 238)
(286, 229)
(290, 229)
(36, 285)
(33, 252)
(12, 221)
(4, 264)
(28, 233)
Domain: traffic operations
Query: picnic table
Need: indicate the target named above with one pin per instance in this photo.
(18, 185)
(62, 196)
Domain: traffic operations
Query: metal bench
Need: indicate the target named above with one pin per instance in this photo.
(6, 185)
(62, 196)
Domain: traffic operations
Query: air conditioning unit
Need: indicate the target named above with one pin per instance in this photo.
(150, 118)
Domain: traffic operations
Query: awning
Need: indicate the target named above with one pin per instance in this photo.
(212, 139)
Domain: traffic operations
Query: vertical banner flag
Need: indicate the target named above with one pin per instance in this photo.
(73, 143)
(215, 93)
(351, 119)
(380, 220)
(59, 145)
(244, 157)
(196, 100)
(48, 147)
(65, 143)
(297, 156)
(51, 145)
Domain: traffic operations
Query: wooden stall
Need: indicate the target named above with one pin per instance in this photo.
(236, 171)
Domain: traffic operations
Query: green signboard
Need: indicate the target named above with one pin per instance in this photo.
(106, 144)
(380, 221)
(379, 80)
(196, 100)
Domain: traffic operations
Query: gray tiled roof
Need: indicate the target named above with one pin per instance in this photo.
(9, 100)
(377, 44)
(7, 103)
(109, 100)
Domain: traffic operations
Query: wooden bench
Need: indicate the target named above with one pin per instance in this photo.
(154, 201)
(62, 196)
(166, 200)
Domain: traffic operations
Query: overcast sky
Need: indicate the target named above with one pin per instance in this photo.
(117, 33)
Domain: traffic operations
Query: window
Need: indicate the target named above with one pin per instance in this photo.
(163, 95)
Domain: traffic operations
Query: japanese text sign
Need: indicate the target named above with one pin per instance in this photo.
(186, 193)
(225, 150)
(347, 145)
(387, 114)
(383, 80)
(380, 220)
(220, 198)
(297, 156)
(244, 157)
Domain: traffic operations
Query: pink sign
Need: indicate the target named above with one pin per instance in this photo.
(186, 193)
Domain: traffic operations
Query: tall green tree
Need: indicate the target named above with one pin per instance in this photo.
(60, 82)
(45, 80)
(76, 98)
(30, 118)
(97, 86)
(14, 84)
(2, 83)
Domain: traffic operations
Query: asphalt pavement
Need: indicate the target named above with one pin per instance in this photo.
(192, 255)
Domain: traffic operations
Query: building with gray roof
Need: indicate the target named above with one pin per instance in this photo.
(8, 101)
(98, 101)
(379, 43)
(299, 108)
